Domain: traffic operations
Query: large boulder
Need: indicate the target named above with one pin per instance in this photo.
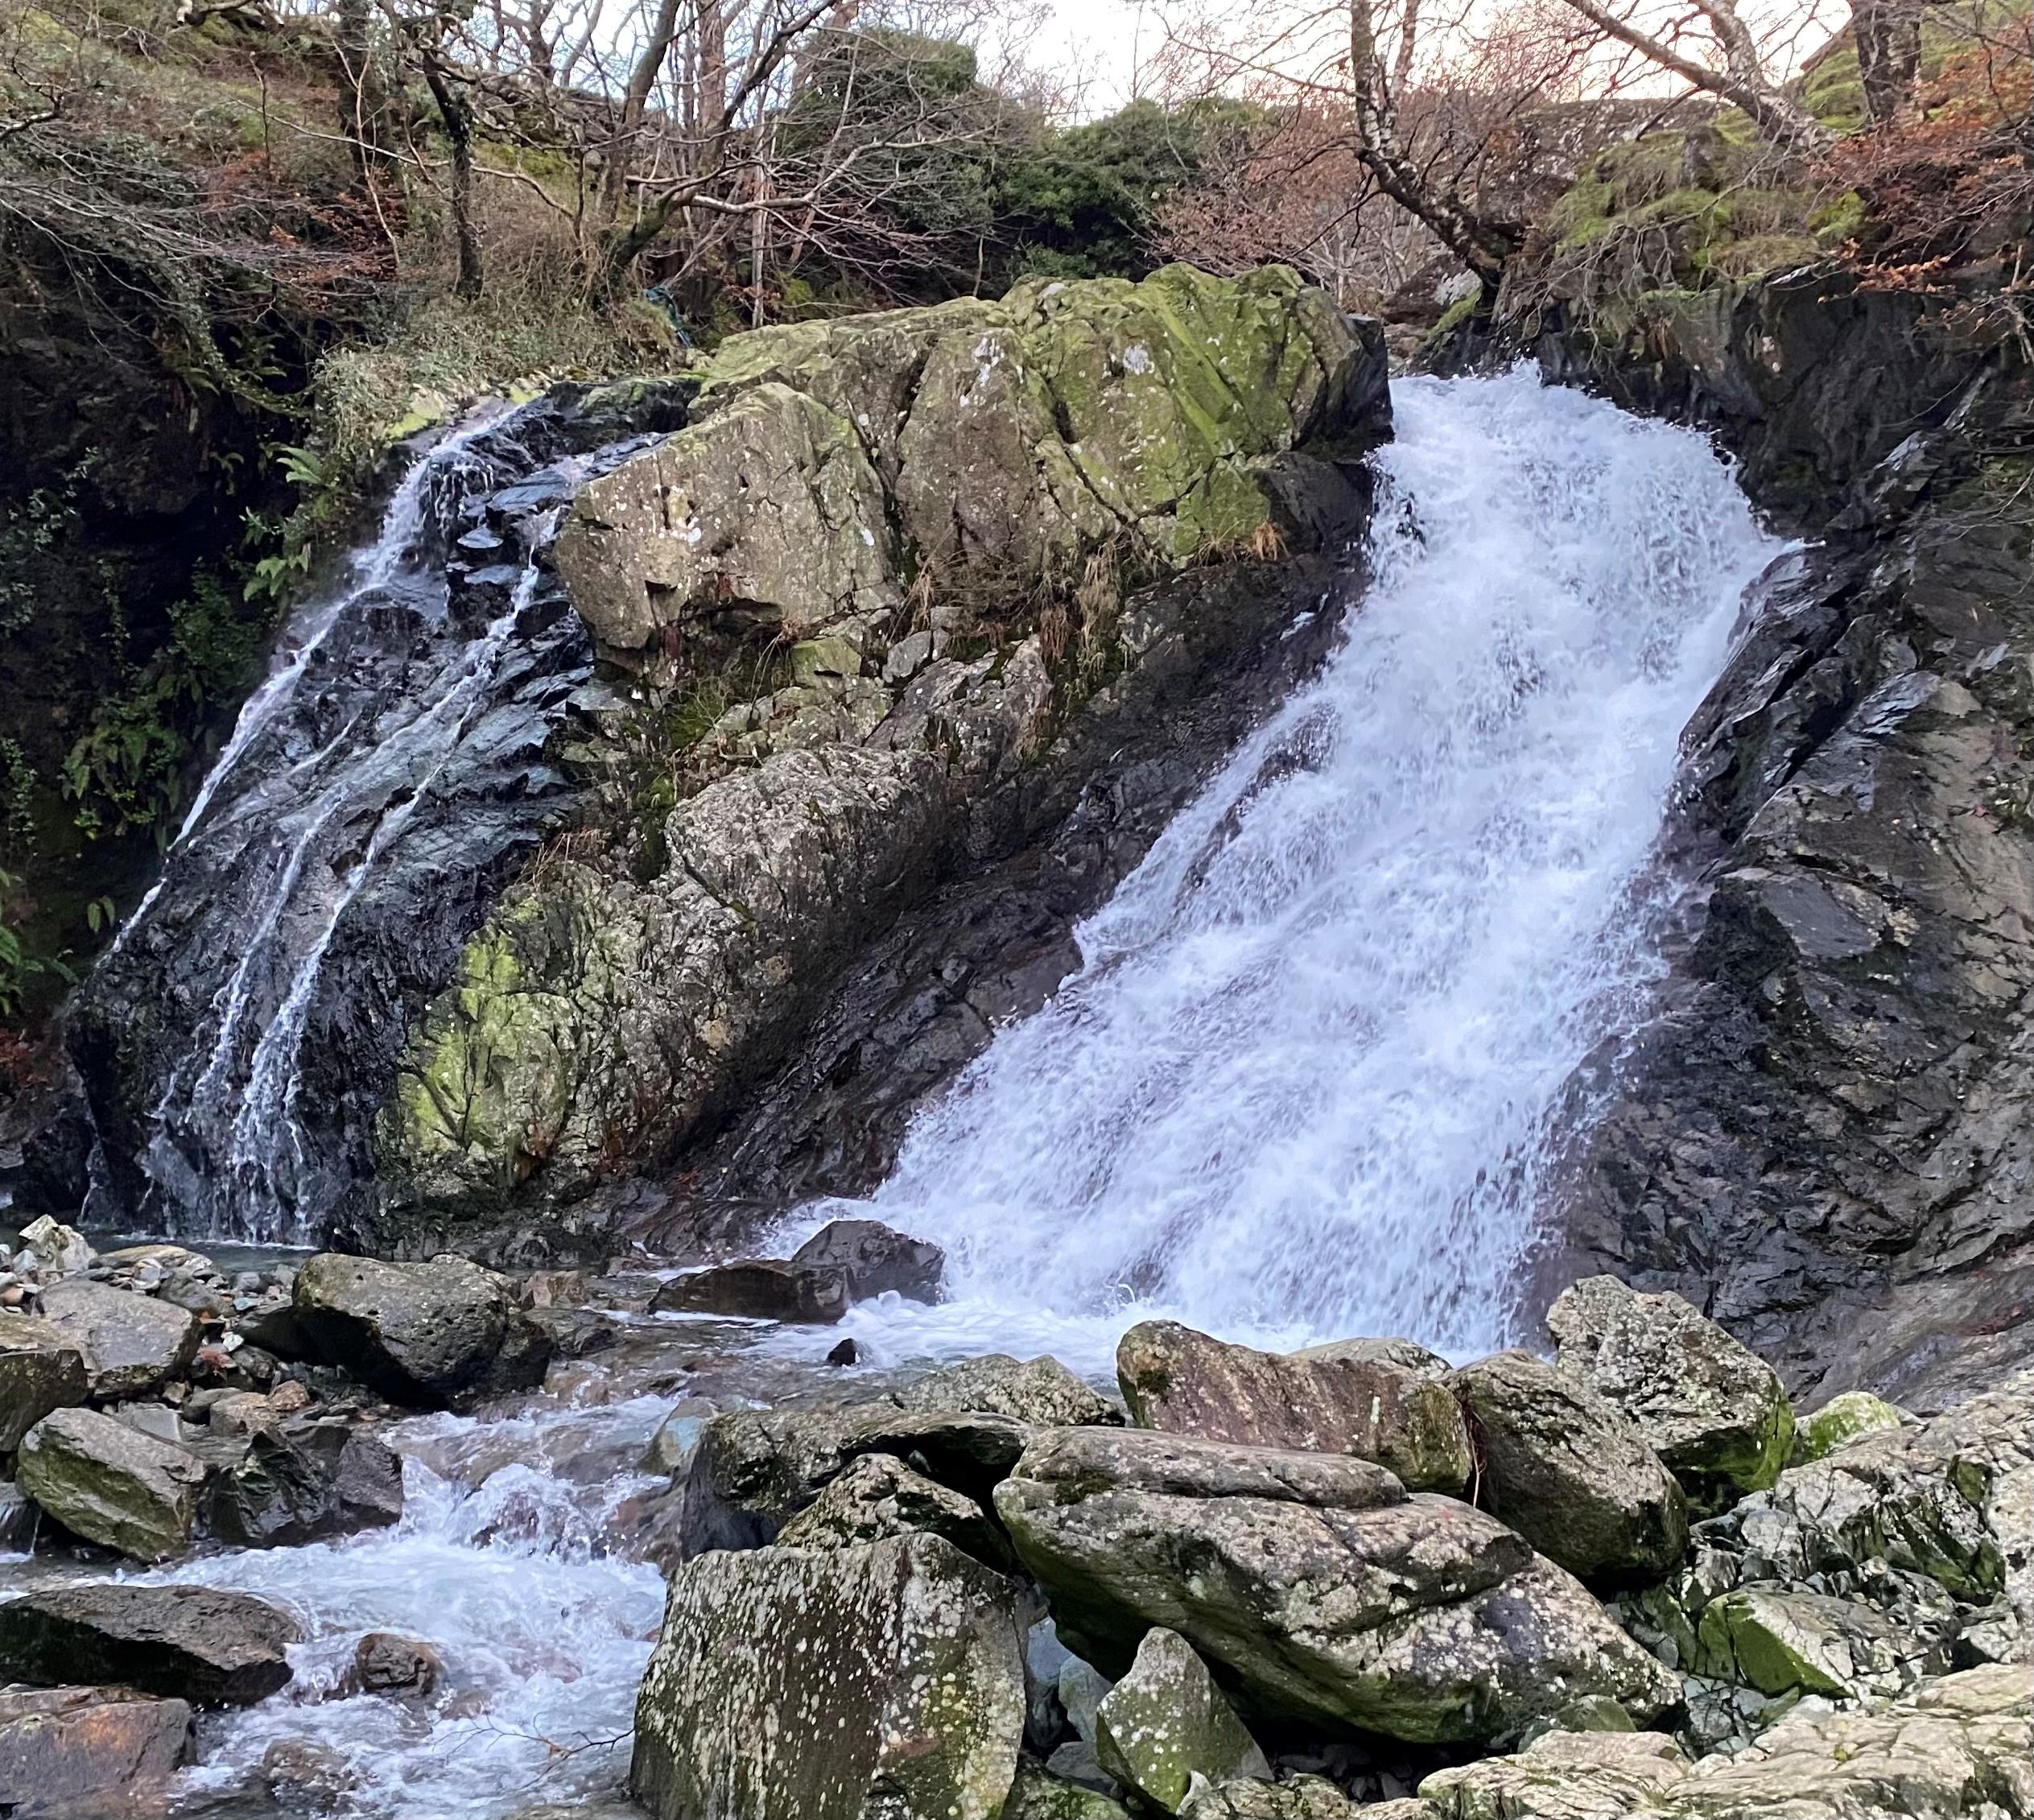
(883, 1681)
(1571, 1474)
(112, 1484)
(1318, 1590)
(1332, 1400)
(876, 1260)
(89, 1753)
(1562, 1773)
(41, 1369)
(191, 1643)
(1716, 1414)
(133, 1344)
(444, 1335)
(1840, 1421)
(1297, 1797)
(1041, 1391)
(754, 1470)
(1801, 1643)
(1165, 1724)
(1037, 1794)
(307, 1482)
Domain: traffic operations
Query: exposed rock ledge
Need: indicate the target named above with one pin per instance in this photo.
(929, 527)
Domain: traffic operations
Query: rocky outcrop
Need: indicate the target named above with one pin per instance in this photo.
(1816, 1139)
(191, 1643)
(1334, 1400)
(1716, 1414)
(962, 501)
(1318, 1590)
(439, 1335)
(1961, 1746)
(901, 1660)
(1571, 1474)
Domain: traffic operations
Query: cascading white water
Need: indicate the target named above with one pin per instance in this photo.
(1303, 1083)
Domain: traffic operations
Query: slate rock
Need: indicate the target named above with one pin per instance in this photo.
(309, 1481)
(876, 1260)
(89, 1753)
(133, 1344)
(1333, 1400)
(194, 1643)
(41, 1369)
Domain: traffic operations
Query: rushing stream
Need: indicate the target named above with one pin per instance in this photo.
(1304, 1084)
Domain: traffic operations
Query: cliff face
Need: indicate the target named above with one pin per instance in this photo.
(1822, 1138)
(944, 579)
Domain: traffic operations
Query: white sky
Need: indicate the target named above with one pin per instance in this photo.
(1097, 42)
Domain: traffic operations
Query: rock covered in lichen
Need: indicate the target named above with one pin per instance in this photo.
(879, 1682)
(1570, 1473)
(1319, 1590)
(1041, 1391)
(877, 1496)
(1840, 1421)
(1165, 1724)
(1716, 1414)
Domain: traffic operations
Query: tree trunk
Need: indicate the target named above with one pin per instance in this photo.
(457, 115)
(1888, 35)
(362, 91)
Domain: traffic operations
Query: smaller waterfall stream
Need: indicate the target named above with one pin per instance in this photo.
(1304, 1084)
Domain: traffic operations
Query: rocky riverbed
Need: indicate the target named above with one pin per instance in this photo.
(355, 1538)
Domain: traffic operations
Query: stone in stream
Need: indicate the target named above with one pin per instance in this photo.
(89, 1753)
(444, 1335)
(1840, 1421)
(111, 1484)
(193, 1643)
(1336, 1400)
(754, 1470)
(876, 1260)
(386, 1663)
(1165, 1724)
(133, 1344)
(309, 1481)
(759, 1289)
(886, 1678)
(41, 1369)
(1040, 1391)
(1443, 1625)
(1717, 1414)
(879, 1496)
(1571, 1474)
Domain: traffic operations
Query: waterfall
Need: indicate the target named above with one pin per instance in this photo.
(376, 790)
(1305, 1082)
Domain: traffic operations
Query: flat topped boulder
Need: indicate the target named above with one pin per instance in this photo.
(1716, 1414)
(1356, 1399)
(759, 1289)
(1571, 1474)
(1041, 1390)
(194, 1643)
(112, 1484)
(42, 1368)
(444, 1335)
(1418, 1617)
(133, 1344)
(885, 1679)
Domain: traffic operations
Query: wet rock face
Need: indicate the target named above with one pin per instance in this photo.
(885, 1679)
(1330, 1401)
(214, 1648)
(606, 1018)
(104, 1481)
(41, 1369)
(1817, 1139)
(1443, 1624)
(309, 1482)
